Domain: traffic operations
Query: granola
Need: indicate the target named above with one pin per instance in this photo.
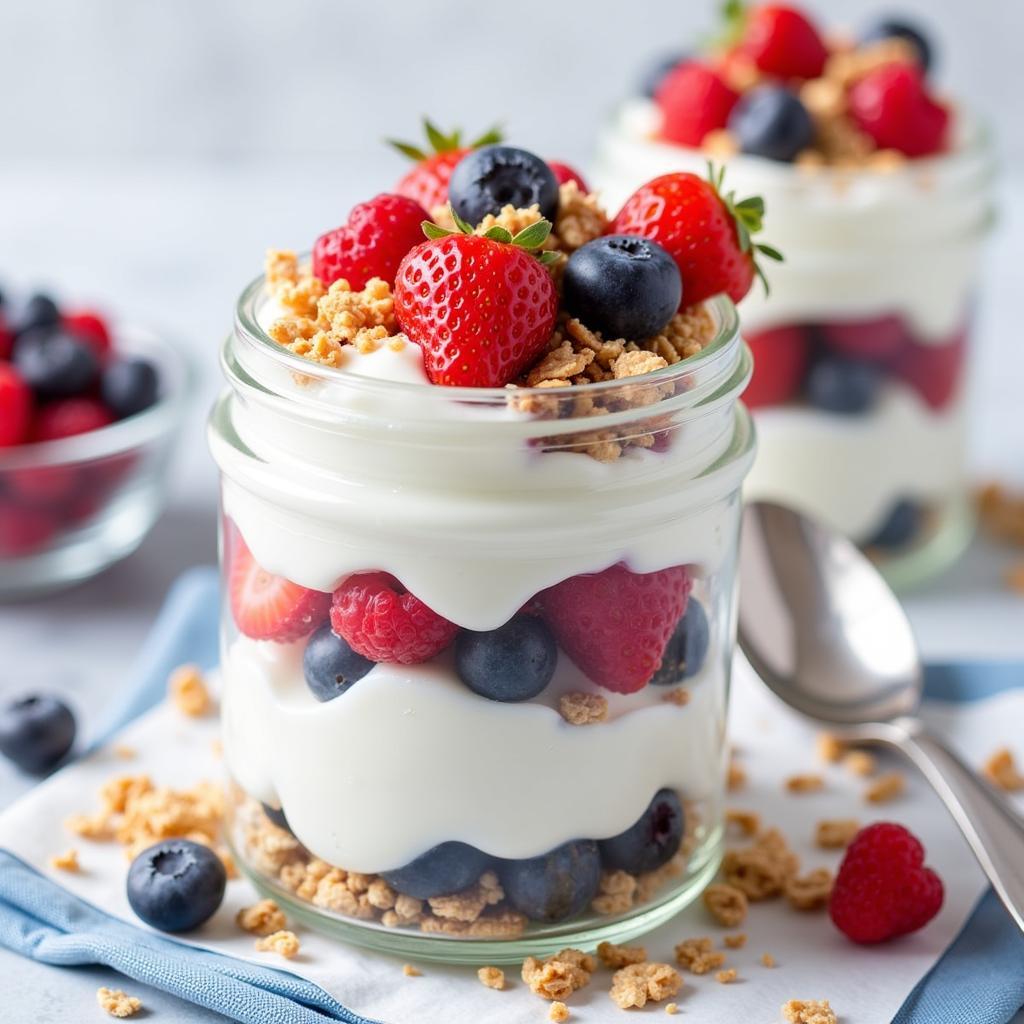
(1001, 770)
(885, 788)
(726, 904)
(804, 783)
(284, 943)
(836, 833)
(860, 762)
(263, 918)
(638, 984)
(66, 861)
(118, 1003)
(557, 977)
(737, 941)
(726, 977)
(620, 956)
(583, 708)
(698, 955)
(189, 692)
(808, 1011)
(810, 891)
(491, 977)
(558, 1012)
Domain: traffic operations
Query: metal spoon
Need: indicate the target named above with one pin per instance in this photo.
(823, 630)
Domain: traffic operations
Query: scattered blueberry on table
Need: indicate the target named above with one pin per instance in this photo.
(36, 732)
(176, 885)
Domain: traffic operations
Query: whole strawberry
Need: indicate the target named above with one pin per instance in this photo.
(893, 106)
(883, 889)
(481, 307)
(427, 182)
(615, 625)
(371, 243)
(780, 40)
(708, 233)
(693, 101)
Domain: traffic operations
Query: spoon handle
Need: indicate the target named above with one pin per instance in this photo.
(990, 824)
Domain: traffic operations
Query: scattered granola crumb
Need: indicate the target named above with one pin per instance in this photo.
(124, 752)
(830, 747)
(263, 918)
(726, 904)
(583, 708)
(620, 956)
(411, 972)
(559, 1012)
(679, 696)
(188, 691)
(284, 943)
(638, 984)
(492, 977)
(860, 762)
(809, 1011)
(809, 892)
(1001, 770)
(737, 941)
(836, 833)
(118, 1003)
(767, 960)
(671, 1008)
(807, 783)
(66, 861)
(560, 975)
(736, 777)
(885, 788)
(698, 956)
(726, 977)
(748, 822)
(761, 869)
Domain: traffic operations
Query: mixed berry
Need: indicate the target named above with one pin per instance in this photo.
(36, 732)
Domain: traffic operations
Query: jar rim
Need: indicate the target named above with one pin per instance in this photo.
(717, 353)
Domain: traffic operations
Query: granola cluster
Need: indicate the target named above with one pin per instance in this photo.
(1002, 516)
(638, 984)
(558, 976)
(118, 1003)
(1002, 771)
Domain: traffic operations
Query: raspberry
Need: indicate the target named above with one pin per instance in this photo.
(382, 621)
(69, 417)
(694, 101)
(371, 243)
(15, 407)
(883, 888)
(781, 356)
(89, 327)
(892, 105)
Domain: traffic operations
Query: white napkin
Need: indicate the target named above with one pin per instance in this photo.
(864, 985)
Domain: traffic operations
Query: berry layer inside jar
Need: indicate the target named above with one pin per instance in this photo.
(862, 417)
(528, 770)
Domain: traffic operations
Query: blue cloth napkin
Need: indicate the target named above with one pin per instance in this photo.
(978, 980)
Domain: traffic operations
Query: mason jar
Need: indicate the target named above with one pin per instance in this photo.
(881, 270)
(434, 809)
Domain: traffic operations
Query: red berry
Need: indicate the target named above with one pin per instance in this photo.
(6, 340)
(686, 215)
(427, 182)
(693, 100)
(269, 607)
(25, 531)
(90, 327)
(564, 173)
(935, 372)
(781, 356)
(43, 485)
(69, 417)
(371, 243)
(877, 339)
(781, 41)
(892, 105)
(616, 624)
(15, 407)
(481, 310)
(382, 621)
(883, 888)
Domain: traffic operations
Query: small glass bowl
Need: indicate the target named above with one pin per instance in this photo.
(73, 507)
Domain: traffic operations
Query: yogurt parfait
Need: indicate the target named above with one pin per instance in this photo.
(481, 459)
(881, 195)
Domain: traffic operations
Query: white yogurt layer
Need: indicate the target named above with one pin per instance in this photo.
(409, 757)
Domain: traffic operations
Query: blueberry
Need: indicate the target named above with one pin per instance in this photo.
(129, 386)
(900, 526)
(511, 663)
(56, 365)
(770, 121)
(276, 816)
(687, 647)
(651, 842)
(176, 885)
(844, 386)
(491, 177)
(39, 311)
(622, 285)
(556, 885)
(658, 70)
(330, 665)
(36, 732)
(897, 28)
(444, 869)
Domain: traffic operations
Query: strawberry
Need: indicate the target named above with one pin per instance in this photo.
(427, 182)
(780, 362)
(707, 233)
(564, 173)
(780, 40)
(269, 607)
(615, 625)
(877, 339)
(15, 407)
(371, 243)
(693, 100)
(893, 106)
(89, 327)
(933, 371)
(481, 307)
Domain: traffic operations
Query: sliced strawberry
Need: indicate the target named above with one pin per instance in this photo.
(694, 100)
(269, 607)
(877, 339)
(616, 624)
(935, 372)
(780, 363)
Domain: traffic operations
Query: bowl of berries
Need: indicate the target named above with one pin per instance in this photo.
(89, 413)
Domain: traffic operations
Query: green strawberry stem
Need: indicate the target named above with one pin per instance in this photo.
(443, 142)
(531, 238)
(733, 24)
(748, 216)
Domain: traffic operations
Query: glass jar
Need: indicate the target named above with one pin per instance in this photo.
(424, 809)
(862, 346)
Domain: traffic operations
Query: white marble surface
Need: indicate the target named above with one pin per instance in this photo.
(172, 244)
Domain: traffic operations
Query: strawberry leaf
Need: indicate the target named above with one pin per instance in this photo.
(442, 142)
(432, 230)
(407, 149)
(463, 225)
(534, 235)
(547, 257)
(498, 234)
(489, 137)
